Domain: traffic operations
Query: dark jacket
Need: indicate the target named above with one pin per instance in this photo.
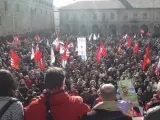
(105, 111)
(153, 113)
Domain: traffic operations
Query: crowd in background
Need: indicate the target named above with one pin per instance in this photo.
(84, 77)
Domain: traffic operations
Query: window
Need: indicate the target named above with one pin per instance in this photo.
(135, 16)
(112, 16)
(0, 20)
(144, 16)
(5, 5)
(94, 16)
(103, 16)
(17, 8)
(125, 17)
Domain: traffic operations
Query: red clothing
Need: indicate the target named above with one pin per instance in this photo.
(29, 83)
(73, 93)
(63, 106)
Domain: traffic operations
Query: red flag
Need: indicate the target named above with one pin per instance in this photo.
(120, 50)
(156, 71)
(65, 56)
(135, 49)
(141, 31)
(146, 60)
(148, 34)
(37, 55)
(128, 42)
(14, 60)
(41, 66)
(103, 51)
(37, 38)
(98, 56)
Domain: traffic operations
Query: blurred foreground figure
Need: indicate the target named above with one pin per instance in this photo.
(153, 112)
(108, 109)
(10, 108)
(55, 104)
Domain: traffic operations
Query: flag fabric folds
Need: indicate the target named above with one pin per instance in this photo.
(14, 60)
(41, 66)
(101, 52)
(146, 60)
(94, 37)
(32, 53)
(90, 37)
(141, 31)
(52, 56)
(120, 50)
(56, 42)
(81, 43)
(37, 38)
(128, 42)
(135, 49)
(37, 55)
(148, 34)
(65, 56)
(16, 40)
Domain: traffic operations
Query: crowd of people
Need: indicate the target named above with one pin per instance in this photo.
(89, 79)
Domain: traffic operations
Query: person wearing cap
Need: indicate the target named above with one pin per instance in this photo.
(55, 103)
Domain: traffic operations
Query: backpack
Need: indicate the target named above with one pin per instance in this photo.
(6, 106)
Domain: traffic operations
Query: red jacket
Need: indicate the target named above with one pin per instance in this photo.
(63, 106)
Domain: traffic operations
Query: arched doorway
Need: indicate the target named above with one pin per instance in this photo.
(125, 29)
(95, 29)
(103, 30)
(75, 29)
(83, 30)
(157, 30)
(134, 29)
(144, 28)
(67, 29)
(112, 30)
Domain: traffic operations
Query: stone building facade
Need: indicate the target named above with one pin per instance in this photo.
(110, 17)
(25, 16)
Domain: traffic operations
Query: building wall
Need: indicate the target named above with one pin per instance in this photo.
(105, 21)
(22, 16)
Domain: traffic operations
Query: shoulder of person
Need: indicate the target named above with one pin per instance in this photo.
(153, 110)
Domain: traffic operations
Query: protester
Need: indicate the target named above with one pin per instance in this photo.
(108, 109)
(55, 103)
(10, 108)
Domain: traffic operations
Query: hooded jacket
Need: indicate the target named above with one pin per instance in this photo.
(106, 111)
(63, 106)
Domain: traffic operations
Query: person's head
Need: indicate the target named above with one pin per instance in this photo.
(7, 83)
(139, 91)
(54, 78)
(148, 88)
(108, 92)
(124, 90)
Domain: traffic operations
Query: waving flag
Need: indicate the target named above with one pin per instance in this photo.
(81, 43)
(141, 31)
(94, 37)
(48, 43)
(52, 56)
(57, 44)
(90, 37)
(32, 54)
(14, 60)
(128, 42)
(65, 56)
(37, 38)
(26, 41)
(148, 34)
(120, 50)
(135, 49)
(146, 60)
(41, 66)
(98, 56)
(37, 55)
(103, 50)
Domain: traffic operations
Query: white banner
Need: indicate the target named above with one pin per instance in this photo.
(81, 43)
